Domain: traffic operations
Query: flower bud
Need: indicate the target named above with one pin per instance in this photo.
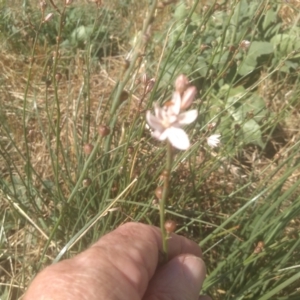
(88, 148)
(58, 77)
(103, 130)
(245, 44)
(145, 79)
(188, 97)
(170, 226)
(86, 182)
(159, 192)
(48, 17)
(43, 5)
(150, 85)
(203, 47)
(259, 247)
(181, 83)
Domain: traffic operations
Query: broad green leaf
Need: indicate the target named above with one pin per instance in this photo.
(256, 50)
(286, 43)
(82, 33)
(252, 133)
(255, 105)
(270, 17)
(181, 11)
(201, 66)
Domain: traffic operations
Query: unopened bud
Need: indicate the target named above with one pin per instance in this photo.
(181, 83)
(205, 8)
(43, 5)
(55, 54)
(69, 2)
(203, 47)
(150, 85)
(259, 247)
(164, 175)
(88, 148)
(170, 226)
(245, 44)
(48, 17)
(58, 77)
(145, 79)
(159, 192)
(87, 182)
(188, 97)
(103, 130)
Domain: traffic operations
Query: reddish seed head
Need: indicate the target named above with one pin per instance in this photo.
(88, 148)
(103, 130)
(170, 226)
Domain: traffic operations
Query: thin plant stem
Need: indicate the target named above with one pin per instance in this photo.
(120, 85)
(163, 201)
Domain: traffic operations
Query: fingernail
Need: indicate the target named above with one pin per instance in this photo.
(196, 268)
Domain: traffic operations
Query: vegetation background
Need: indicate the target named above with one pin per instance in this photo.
(69, 77)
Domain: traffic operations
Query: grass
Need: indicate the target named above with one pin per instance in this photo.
(240, 201)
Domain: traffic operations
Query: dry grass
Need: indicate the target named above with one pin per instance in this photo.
(26, 244)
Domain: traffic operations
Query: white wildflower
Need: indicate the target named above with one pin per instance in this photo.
(214, 140)
(168, 120)
(186, 98)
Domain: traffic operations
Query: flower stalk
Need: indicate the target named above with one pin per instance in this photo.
(166, 189)
(166, 124)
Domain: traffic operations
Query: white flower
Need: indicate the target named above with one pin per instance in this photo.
(186, 99)
(167, 122)
(214, 140)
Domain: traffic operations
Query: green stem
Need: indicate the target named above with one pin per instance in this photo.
(164, 200)
(120, 85)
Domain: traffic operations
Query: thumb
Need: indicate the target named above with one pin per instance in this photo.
(181, 278)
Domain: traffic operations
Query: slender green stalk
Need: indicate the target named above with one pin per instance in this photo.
(73, 193)
(128, 73)
(58, 111)
(163, 201)
(28, 162)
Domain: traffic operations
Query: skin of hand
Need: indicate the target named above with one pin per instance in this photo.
(124, 264)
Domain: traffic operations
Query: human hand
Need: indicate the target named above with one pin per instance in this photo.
(124, 264)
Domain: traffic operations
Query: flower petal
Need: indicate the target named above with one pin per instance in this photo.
(177, 137)
(187, 117)
(159, 135)
(214, 140)
(188, 97)
(154, 122)
(176, 100)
